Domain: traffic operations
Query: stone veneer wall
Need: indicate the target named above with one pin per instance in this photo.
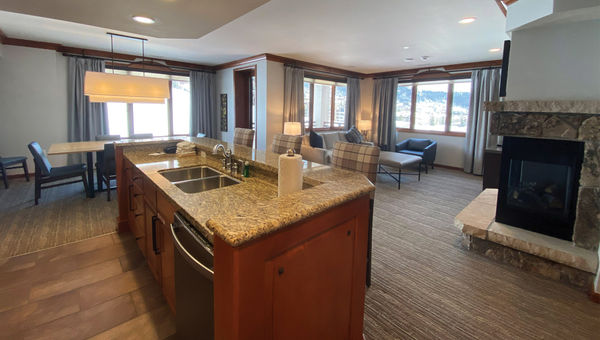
(563, 120)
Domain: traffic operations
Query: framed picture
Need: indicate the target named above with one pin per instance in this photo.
(224, 112)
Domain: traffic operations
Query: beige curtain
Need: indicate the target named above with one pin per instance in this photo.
(485, 87)
(293, 95)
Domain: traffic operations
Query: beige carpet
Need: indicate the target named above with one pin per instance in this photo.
(426, 286)
(63, 215)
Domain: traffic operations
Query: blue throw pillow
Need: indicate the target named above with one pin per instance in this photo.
(316, 141)
(354, 136)
(418, 144)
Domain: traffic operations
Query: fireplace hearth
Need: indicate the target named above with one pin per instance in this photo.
(539, 182)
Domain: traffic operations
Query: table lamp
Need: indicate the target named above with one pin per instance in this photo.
(364, 126)
(292, 128)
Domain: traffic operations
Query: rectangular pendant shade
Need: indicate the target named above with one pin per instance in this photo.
(108, 87)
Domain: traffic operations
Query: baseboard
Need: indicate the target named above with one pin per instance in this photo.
(447, 167)
(594, 296)
(16, 176)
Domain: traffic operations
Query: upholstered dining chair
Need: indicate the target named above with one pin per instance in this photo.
(243, 136)
(108, 171)
(100, 157)
(45, 173)
(282, 143)
(364, 159)
(7, 163)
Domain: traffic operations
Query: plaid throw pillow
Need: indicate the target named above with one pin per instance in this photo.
(354, 136)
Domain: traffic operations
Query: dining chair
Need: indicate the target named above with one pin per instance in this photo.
(100, 156)
(141, 136)
(46, 173)
(109, 171)
(243, 136)
(362, 158)
(7, 163)
(282, 143)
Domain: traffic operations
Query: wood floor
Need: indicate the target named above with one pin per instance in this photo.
(99, 288)
(425, 285)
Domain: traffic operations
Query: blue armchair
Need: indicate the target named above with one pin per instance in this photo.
(425, 148)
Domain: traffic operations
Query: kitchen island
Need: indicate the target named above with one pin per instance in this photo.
(284, 267)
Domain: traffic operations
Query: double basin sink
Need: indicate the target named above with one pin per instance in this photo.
(198, 179)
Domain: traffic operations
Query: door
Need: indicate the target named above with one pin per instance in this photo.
(245, 97)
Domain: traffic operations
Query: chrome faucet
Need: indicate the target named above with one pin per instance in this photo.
(226, 153)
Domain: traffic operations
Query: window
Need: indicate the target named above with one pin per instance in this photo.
(170, 118)
(440, 107)
(324, 104)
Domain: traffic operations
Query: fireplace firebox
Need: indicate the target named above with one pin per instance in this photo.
(539, 181)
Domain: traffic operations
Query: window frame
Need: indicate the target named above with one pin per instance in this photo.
(449, 103)
(320, 81)
(130, 127)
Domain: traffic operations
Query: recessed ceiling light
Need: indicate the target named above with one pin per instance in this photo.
(425, 57)
(496, 49)
(467, 20)
(406, 47)
(408, 60)
(143, 20)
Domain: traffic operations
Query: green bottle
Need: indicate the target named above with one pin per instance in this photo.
(246, 172)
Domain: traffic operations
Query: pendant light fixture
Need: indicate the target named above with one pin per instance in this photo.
(110, 87)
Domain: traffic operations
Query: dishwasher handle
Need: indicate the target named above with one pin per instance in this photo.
(197, 265)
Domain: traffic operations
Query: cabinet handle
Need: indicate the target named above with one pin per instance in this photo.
(154, 247)
(161, 219)
(138, 215)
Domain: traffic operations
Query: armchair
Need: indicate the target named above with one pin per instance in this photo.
(425, 148)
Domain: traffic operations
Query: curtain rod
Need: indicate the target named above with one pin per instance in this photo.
(129, 61)
(319, 71)
(412, 75)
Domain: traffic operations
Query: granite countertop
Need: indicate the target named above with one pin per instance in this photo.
(251, 209)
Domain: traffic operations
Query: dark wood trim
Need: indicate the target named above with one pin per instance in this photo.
(154, 68)
(313, 66)
(436, 76)
(239, 62)
(429, 132)
(594, 296)
(449, 100)
(453, 67)
(501, 6)
(3, 37)
(413, 106)
(97, 53)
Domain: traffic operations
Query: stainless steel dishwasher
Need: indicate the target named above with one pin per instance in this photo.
(194, 300)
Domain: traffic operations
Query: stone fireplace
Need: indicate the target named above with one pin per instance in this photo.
(548, 207)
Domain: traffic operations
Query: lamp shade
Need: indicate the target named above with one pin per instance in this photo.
(364, 125)
(292, 128)
(107, 87)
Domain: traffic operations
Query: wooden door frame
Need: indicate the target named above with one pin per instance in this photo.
(245, 73)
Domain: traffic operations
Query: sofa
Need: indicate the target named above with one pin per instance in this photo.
(425, 148)
(323, 155)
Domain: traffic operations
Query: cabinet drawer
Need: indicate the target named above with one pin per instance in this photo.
(138, 178)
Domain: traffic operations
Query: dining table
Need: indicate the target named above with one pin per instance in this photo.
(87, 147)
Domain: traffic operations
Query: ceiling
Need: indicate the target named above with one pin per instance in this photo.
(359, 35)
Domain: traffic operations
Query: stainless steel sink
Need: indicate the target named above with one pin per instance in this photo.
(205, 184)
(178, 175)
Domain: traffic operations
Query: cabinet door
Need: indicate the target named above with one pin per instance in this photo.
(153, 241)
(314, 276)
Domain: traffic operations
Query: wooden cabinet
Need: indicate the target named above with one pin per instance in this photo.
(165, 218)
(306, 281)
(147, 213)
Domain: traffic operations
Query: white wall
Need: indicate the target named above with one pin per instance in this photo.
(450, 149)
(33, 101)
(555, 62)
(275, 75)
